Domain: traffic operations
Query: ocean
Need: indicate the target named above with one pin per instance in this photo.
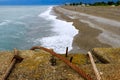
(22, 27)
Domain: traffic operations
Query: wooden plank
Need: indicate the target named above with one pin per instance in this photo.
(94, 66)
(8, 71)
(15, 59)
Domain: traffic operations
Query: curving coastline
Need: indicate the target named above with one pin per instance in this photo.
(89, 35)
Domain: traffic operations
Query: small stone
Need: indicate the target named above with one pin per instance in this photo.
(54, 70)
(69, 74)
(101, 73)
(65, 70)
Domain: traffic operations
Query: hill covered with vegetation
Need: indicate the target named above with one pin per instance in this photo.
(109, 3)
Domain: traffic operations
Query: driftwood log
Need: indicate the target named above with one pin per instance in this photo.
(15, 60)
(94, 66)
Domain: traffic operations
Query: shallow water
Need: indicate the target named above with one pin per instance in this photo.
(25, 26)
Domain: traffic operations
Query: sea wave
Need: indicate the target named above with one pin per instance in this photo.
(4, 22)
(64, 33)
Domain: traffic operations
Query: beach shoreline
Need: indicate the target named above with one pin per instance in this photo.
(87, 38)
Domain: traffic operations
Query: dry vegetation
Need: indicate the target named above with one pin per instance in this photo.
(36, 65)
(110, 71)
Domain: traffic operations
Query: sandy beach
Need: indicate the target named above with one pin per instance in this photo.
(98, 26)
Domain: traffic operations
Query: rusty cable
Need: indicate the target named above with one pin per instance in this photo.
(74, 67)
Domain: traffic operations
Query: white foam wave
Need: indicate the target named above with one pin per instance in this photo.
(64, 33)
(20, 23)
(22, 17)
(5, 22)
(46, 15)
(58, 43)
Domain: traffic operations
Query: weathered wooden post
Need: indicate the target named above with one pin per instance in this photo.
(66, 52)
(71, 59)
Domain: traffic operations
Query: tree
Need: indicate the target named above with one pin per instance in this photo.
(74, 4)
(80, 3)
(99, 4)
(111, 2)
(118, 3)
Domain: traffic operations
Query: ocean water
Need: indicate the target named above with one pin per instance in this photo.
(22, 27)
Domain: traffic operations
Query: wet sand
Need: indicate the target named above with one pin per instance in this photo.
(94, 31)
